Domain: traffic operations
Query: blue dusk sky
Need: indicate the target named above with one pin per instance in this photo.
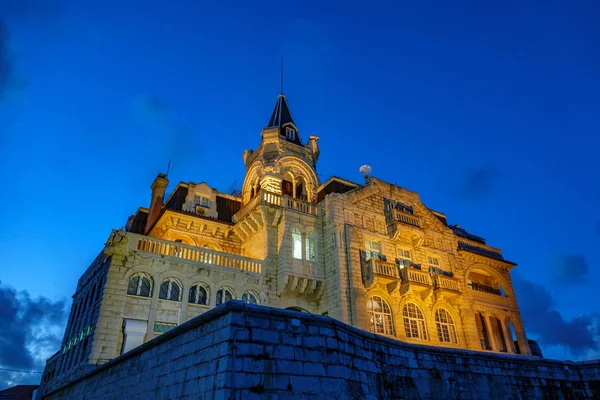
(490, 111)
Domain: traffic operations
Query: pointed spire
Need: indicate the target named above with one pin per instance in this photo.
(282, 119)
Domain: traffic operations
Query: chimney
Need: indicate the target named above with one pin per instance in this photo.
(158, 187)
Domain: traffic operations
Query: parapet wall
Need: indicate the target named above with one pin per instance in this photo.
(240, 351)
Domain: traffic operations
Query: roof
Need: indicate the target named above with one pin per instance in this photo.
(282, 118)
(18, 392)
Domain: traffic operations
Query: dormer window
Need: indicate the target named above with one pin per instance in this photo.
(290, 133)
(201, 201)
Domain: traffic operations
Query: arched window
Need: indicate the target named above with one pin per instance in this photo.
(170, 289)
(199, 294)
(445, 326)
(250, 297)
(224, 295)
(140, 284)
(414, 322)
(310, 246)
(380, 316)
(297, 243)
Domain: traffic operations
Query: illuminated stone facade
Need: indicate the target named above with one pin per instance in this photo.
(371, 255)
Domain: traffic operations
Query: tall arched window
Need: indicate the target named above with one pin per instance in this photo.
(170, 289)
(414, 322)
(297, 243)
(140, 284)
(310, 246)
(250, 297)
(224, 295)
(380, 316)
(199, 294)
(445, 326)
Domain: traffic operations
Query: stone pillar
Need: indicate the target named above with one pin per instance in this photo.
(184, 305)
(521, 337)
(469, 326)
(153, 305)
(510, 346)
(490, 332)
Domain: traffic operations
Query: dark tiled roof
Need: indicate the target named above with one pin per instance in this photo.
(138, 224)
(226, 208)
(334, 186)
(458, 231)
(282, 117)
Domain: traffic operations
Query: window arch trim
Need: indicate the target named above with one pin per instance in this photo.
(140, 284)
(171, 289)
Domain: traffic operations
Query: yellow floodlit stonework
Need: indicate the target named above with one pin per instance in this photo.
(370, 254)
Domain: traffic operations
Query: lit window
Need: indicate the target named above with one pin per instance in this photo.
(170, 289)
(380, 316)
(140, 285)
(297, 243)
(404, 258)
(250, 297)
(224, 295)
(290, 133)
(373, 249)
(414, 322)
(310, 246)
(199, 294)
(445, 326)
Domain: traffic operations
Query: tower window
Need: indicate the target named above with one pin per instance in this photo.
(290, 133)
(297, 244)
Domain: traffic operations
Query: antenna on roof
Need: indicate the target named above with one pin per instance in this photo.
(168, 167)
(282, 74)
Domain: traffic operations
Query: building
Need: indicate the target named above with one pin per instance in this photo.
(369, 254)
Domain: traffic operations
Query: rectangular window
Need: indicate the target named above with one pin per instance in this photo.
(433, 262)
(404, 258)
(162, 327)
(290, 133)
(201, 201)
(372, 249)
(310, 246)
(297, 244)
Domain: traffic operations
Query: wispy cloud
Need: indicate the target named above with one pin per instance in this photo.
(478, 182)
(30, 331)
(569, 269)
(580, 336)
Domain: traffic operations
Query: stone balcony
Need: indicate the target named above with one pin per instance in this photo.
(302, 277)
(207, 258)
(489, 297)
(415, 279)
(378, 270)
(402, 224)
(271, 199)
(445, 285)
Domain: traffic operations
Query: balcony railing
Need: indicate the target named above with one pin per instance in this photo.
(485, 288)
(411, 275)
(394, 215)
(268, 198)
(192, 253)
(489, 298)
(383, 268)
(445, 282)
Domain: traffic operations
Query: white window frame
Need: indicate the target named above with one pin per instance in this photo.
(140, 276)
(251, 294)
(290, 133)
(171, 282)
(310, 246)
(446, 330)
(206, 289)
(223, 290)
(405, 260)
(381, 321)
(415, 325)
(297, 244)
(369, 250)
(434, 261)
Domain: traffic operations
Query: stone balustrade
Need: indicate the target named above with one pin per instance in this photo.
(445, 282)
(384, 268)
(489, 298)
(267, 198)
(412, 275)
(192, 253)
(394, 215)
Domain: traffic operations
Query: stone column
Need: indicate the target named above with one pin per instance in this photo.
(153, 304)
(521, 337)
(184, 305)
(490, 332)
(510, 346)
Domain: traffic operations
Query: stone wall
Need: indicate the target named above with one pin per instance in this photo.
(239, 351)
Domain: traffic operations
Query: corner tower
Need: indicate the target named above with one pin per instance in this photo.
(282, 164)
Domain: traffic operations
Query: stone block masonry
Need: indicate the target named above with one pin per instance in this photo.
(241, 351)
